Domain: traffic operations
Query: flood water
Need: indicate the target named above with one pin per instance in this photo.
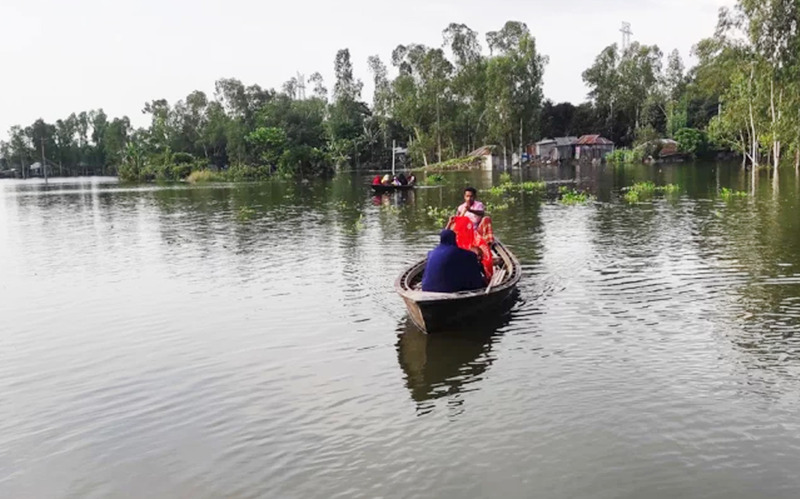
(246, 341)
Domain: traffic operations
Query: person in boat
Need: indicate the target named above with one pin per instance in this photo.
(387, 180)
(450, 269)
(476, 212)
(412, 179)
(402, 179)
(471, 216)
(376, 180)
(396, 181)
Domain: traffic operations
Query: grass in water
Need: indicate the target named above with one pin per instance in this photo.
(644, 190)
(440, 215)
(245, 213)
(200, 176)
(729, 194)
(434, 179)
(572, 197)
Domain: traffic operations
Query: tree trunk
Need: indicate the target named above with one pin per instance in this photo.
(797, 161)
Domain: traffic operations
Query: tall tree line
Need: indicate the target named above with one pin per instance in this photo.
(443, 102)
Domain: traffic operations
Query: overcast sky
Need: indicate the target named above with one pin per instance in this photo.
(62, 56)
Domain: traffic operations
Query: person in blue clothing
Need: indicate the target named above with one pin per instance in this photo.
(451, 269)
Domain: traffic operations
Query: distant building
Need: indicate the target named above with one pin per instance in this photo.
(565, 149)
(491, 159)
(543, 148)
(591, 147)
(558, 149)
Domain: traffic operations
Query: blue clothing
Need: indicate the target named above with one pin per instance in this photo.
(450, 269)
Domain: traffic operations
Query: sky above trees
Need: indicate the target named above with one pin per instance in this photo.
(61, 56)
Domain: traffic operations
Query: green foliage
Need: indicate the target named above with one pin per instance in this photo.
(729, 194)
(533, 186)
(625, 156)
(434, 179)
(455, 164)
(505, 178)
(202, 176)
(571, 197)
(439, 214)
(645, 190)
(691, 141)
(245, 213)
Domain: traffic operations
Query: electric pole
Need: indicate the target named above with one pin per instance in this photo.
(626, 35)
(301, 86)
(44, 162)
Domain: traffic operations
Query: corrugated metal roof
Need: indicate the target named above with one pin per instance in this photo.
(566, 141)
(483, 151)
(594, 140)
(544, 142)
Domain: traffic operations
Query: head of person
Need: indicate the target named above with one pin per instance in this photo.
(470, 195)
(447, 238)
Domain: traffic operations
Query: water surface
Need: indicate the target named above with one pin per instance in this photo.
(246, 341)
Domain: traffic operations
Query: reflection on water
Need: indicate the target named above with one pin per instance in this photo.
(243, 341)
(446, 364)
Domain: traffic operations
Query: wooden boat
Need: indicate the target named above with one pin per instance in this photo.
(380, 188)
(433, 312)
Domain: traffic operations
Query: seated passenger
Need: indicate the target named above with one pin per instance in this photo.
(387, 180)
(450, 269)
(402, 179)
(412, 179)
(376, 180)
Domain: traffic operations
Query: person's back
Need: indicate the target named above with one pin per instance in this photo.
(450, 269)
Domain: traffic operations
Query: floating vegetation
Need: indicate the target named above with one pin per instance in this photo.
(200, 176)
(359, 225)
(571, 196)
(440, 215)
(728, 194)
(245, 213)
(533, 186)
(435, 179)
(505, 178)
(510, 187)
(498, 207)
(644, 190)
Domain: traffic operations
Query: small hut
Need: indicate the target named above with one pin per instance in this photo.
(491, 160)
(591, 147)
(564, 148)
(544, 148)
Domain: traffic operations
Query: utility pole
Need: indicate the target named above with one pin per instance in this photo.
(301, 86)
(393, 156)
(626, 35)
(44, 162)
(520, 143)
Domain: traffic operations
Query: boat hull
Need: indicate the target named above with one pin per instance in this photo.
(435, 312)
(391, 188)
(436, 316)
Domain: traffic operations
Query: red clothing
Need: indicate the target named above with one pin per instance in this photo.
(468, 237)
(376, 180)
